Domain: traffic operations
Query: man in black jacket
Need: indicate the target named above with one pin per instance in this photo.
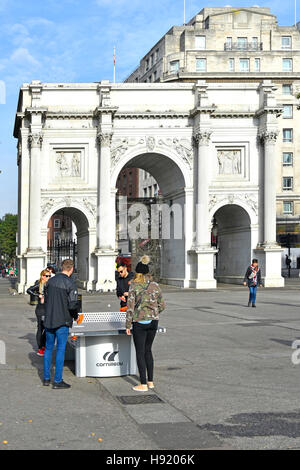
(123, 284)
(61, 308)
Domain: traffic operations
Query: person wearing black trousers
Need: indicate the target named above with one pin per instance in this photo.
(37, 290)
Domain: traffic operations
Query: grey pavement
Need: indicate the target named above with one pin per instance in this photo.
(223, 373)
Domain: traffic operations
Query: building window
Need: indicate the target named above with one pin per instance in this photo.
(155, 190)
(145, 192)
(287, 135)
(56, 223)
(287, 183)
(174, 66)
(242, 44)
(156, 55)
(152, 60)
(287, 111)
(287, 65)
(286, 42)
(286, 89)
(150, 191)
(255, 43)
(288, 207)
(200, 42)
(228, 43)
(200, 65)
(257, 65)
(231, 65)
(155, 76)
(244, 65)
(147, 65)
(287, 158)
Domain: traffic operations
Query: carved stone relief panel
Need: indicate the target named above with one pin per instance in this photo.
(229, 162)
(68, 165)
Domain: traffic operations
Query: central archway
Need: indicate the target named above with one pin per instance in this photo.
(172, 180)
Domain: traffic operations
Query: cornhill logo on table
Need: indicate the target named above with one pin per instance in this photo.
(109, 358)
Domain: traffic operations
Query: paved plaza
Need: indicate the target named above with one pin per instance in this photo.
(224, 376)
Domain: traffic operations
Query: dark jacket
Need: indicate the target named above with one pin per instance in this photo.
(61, 301)
(123, 286)
(249, 279)
(35, 292)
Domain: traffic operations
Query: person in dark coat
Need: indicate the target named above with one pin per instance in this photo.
(62, 308)
(37, 291)
(123, 283)
(253, 280)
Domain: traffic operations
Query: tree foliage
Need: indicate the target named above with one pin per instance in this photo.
(8, 231)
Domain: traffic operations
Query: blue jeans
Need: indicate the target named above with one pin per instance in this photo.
(252, 294)
(61, 334)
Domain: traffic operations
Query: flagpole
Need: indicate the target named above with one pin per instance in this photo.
(114, 65)
(295, 12)
(184, 12)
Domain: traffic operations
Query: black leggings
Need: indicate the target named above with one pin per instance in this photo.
(143, 337)
(40, 334)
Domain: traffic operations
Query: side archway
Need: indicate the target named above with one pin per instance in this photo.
(234, 242)
(86, 239)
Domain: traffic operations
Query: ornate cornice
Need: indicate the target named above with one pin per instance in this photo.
(152, 115)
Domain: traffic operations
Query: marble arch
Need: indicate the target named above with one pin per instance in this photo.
(210, 145)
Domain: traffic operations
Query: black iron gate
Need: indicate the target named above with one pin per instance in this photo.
(58, 250)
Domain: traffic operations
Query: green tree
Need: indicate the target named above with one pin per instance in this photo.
(8, 231)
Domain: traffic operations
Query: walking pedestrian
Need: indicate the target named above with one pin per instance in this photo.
(37, 291)
(61, 309)
(144, 305)
(123, 282)
(253, 280)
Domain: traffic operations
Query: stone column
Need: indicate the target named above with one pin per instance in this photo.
(202, 140)
(35, 256)
(105, 251)
(204, 251)
(35, 141)
(269, 140)
(269, 255)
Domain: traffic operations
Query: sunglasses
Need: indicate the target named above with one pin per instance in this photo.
(47, 275)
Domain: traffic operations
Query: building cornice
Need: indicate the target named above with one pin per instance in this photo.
(152, 115)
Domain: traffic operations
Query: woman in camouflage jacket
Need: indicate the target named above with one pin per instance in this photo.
(144, 305)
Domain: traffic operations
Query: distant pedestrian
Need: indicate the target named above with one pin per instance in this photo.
(144, 305)
(61, 309)
(38, 291)
(253, 280)
(123, 282)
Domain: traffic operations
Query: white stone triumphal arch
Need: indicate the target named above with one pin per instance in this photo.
(210, 146)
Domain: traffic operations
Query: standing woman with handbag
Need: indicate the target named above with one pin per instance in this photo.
(37, 290)
(144, 305)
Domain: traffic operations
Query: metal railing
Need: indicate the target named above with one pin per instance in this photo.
(238, 46)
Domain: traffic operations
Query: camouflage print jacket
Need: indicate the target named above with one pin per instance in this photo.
(150, 306)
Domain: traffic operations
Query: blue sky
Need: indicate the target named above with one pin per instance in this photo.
(72, 41)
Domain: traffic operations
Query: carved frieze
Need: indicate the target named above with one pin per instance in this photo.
(251, 200)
